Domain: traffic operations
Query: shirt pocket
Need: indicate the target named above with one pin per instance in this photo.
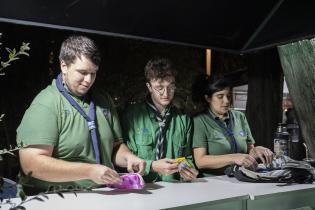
(180, 146)
(145, 146)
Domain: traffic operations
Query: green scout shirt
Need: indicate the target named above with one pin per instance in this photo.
(140, 128)
(52, 120)
(208, 134)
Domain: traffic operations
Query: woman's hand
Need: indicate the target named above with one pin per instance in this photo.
(264, 154)
(244, 160)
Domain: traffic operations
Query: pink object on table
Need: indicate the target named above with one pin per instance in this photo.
(129, 181)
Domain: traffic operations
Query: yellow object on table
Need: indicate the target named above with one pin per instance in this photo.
(183, 163)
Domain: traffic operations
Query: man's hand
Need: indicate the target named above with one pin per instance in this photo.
(188, 174)
(244, 160)
(124, 158)
(135, 164)
(264, 154)
(165, 166)
(101, 174)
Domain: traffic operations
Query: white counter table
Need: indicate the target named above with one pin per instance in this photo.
(218, 192)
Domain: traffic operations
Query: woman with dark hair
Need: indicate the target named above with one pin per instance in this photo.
(222, 137)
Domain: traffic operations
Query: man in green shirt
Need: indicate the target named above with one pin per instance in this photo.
(71, 133)
(158, 132)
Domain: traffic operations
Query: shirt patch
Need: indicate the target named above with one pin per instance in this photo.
(242, 133)
(144, 131)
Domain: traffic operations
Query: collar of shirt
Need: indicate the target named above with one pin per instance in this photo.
(151, 112)
(81, 100)
(225, 119)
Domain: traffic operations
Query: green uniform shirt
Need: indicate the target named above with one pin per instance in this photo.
(140, 129)
(52, 120)
(208, 134)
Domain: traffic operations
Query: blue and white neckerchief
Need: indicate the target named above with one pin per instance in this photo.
(89, 119)
(227, 129)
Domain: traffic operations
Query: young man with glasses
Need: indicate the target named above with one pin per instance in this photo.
(158, 132)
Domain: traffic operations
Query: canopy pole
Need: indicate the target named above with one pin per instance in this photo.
(262, 25)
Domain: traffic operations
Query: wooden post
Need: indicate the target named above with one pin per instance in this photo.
(298, 63)
(208, 62)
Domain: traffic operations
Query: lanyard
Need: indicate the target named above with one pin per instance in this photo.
(228, 130)
(89, 119)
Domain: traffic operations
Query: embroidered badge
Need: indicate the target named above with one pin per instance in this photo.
(138, 131)
(242, 133)
(143, 131)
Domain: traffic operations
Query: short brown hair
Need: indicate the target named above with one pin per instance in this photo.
(76, 46)
(159, 68)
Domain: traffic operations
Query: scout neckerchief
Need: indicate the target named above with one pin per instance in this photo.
(89, 119)
(228, 129)
(161, 135)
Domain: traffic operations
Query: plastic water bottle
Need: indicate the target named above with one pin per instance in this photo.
(281, 141)
(296, 149)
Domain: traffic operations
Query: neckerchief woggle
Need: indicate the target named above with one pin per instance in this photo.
(228, 130)
(90, 119)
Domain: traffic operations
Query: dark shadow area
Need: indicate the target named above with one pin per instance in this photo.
(121, 74)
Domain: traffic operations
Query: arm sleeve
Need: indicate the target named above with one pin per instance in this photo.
(199, 136)
(39, 126)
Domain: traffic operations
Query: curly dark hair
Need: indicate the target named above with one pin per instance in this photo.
(159, 68)
(208, 85)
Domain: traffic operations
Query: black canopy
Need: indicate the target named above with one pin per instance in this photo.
(238, 26)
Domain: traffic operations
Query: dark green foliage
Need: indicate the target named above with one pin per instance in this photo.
(60, 194)
(22, 195)
(13, 55)
(41, 197)
(18, 208)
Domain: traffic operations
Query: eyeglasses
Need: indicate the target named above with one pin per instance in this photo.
(161, 90)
